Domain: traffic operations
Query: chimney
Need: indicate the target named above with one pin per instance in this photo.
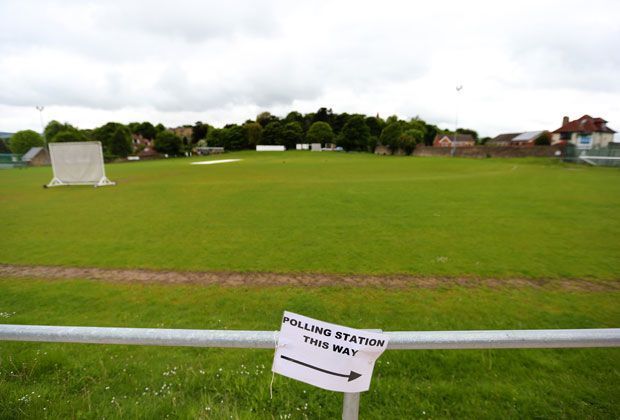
(564, 121)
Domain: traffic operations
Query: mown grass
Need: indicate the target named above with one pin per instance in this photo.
(322, 212)
(39, 380)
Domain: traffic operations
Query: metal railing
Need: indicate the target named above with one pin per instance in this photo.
(398, 340)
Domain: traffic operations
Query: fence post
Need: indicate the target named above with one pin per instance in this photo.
(350, 405)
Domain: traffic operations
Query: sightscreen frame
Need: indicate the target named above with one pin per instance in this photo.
(72, 166)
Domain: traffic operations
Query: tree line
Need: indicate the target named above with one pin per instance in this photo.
(352, 132)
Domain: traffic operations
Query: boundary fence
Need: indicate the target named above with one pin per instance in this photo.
(600, 156)
(398, 340)
(11, 160)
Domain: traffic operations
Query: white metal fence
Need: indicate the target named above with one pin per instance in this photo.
(398, 340)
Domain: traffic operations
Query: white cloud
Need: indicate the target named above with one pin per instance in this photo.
(524, 65)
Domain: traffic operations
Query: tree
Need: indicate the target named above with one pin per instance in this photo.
(133, 127)
(87, 133)
(417, 124)
(51, 129)
(115, 139)
(168, 142)
(119, 143)
(54, 127)
(253, 133)
(375, 124)
(4, 147)
(272, 134)
(320, 132)
(23, 140)
(323, 114)
(391, 119)
(233, 137)
(372, 143)
(308, 120)
(338, 121)
(355, 134)
(295, 116)
(473, 133)
(146, 130)
(415, 134)
(430, 133)
(199, 132)
(543, 140)
(410, 138)
(265, 118)
(292, 134)
(67, 136)
(390, 136)
(214, 137)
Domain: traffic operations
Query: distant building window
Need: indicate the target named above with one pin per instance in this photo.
(565, 136)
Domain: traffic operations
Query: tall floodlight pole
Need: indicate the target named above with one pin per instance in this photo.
(456, 119)
(40, 109)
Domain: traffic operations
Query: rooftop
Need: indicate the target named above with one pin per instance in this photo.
(528, 136)
(585, 124)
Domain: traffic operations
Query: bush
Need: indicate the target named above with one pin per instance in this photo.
(168, 142)
(320, 132)
(22, 141)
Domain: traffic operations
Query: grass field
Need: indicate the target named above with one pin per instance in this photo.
(95, 381)
(324, 212)
(315, 213)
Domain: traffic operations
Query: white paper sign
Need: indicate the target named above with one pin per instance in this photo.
(326, 355)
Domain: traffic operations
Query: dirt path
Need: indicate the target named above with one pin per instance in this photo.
(295, 279)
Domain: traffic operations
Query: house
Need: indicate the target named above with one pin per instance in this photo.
(528, 138)
(446, 140)
(142, 146)
(585, 132)
(184, 132)
(36, 156)
(139, 143)
(502, 139)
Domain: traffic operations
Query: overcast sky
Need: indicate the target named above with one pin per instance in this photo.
(523, 64)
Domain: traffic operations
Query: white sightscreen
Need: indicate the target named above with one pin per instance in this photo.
(78, 162)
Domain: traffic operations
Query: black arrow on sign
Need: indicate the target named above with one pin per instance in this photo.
(352, 376)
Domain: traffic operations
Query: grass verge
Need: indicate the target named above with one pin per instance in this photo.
(40, 380)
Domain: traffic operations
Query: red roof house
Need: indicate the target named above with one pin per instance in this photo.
(585, 132)
(448, 140)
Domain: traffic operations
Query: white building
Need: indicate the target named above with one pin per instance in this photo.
(585, 132)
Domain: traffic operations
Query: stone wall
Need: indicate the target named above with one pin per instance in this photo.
(490, 151)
